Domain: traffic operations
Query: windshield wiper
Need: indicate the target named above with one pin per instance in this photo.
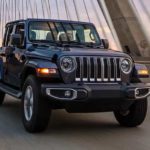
(93, 45)
(71, 44)
(54, 43)
(80, 45)
(65, 43)
(77, 44)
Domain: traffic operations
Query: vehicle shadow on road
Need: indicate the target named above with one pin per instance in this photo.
(69, 131)
(62, 122)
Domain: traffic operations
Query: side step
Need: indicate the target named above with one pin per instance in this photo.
(10, 91)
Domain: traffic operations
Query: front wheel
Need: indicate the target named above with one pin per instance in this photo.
(35, 110)
(134, 116)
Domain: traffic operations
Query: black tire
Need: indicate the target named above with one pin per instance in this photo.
(40, 107)
(2, 97)
(135, 116)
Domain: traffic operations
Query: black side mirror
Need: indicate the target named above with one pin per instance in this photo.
(105, 42)
(15, 40)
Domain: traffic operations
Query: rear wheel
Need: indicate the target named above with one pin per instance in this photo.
(35, 109)
(2, 97)
(134, 116)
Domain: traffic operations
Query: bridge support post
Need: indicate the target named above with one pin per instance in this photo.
(128, 29)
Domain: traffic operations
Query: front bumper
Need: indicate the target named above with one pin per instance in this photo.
(90, 92)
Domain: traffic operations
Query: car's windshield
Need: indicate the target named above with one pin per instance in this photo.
(61, 32)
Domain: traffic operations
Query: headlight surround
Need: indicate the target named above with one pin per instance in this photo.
(67, 64)
(126, 65)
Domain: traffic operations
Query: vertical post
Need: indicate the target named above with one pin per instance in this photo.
(22, 9)
(57, 7)
(15, 9)
(78, 17)
(49, 5)
(42, 8)
(127, 27)
(36, 9)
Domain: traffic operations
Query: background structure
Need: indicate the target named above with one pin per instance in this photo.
(124, 22)
(79, 10)
(131, 19)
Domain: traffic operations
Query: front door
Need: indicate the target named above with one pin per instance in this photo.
(13, 61)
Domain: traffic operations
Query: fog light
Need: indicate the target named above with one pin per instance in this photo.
(62, 93)
(68, 94)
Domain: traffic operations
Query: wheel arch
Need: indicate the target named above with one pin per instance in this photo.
(31, 66)
(28, 70)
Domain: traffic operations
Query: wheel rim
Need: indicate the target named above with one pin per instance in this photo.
(28, 103)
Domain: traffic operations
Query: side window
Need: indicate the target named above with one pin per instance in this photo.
(5, 36)
(20, 30)
(8, 32)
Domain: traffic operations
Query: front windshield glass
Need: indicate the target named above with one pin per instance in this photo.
(63, 33)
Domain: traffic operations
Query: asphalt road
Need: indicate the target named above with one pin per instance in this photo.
(66, 131)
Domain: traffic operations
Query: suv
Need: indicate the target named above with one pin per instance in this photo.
(54, 64)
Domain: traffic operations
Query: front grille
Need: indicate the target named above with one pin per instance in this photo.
(97, 69)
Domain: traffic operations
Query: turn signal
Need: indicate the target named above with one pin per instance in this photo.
(46, 71)
(143, 72)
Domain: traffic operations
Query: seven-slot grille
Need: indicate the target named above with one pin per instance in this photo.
(98, 69)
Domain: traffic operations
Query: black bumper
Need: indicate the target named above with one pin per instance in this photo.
(94, 97)
(91, 92)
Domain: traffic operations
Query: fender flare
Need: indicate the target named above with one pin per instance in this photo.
(36, 63)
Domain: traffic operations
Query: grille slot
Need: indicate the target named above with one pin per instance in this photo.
(98, 69)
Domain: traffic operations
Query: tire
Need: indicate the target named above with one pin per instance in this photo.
(35, 109)
(2, 97)
(135, 116)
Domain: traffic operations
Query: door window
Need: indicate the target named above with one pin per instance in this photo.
(20, 30)
(9, 30)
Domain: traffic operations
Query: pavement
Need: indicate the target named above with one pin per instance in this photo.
(97, 131)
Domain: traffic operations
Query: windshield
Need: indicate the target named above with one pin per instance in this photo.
(63, 33)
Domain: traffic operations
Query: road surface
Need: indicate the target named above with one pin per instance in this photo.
(98, 131)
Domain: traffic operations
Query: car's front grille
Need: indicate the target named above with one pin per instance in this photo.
(97, 69)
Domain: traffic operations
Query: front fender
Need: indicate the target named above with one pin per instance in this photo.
(140, 78)
(33, 64)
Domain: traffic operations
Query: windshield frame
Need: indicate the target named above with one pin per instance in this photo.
(62, 23)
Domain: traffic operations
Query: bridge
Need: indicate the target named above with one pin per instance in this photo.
(119, 21)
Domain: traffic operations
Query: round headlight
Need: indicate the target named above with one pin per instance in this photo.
(67, 64)
(126, 66)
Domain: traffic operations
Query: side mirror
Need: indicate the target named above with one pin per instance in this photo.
(105, 43)
(15, 40)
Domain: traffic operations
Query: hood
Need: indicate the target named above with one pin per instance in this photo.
(50, 52)
(94, 52)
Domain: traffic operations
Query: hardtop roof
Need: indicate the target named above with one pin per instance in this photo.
(42, 20)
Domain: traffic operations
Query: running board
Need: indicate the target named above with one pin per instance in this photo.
(10, 91)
